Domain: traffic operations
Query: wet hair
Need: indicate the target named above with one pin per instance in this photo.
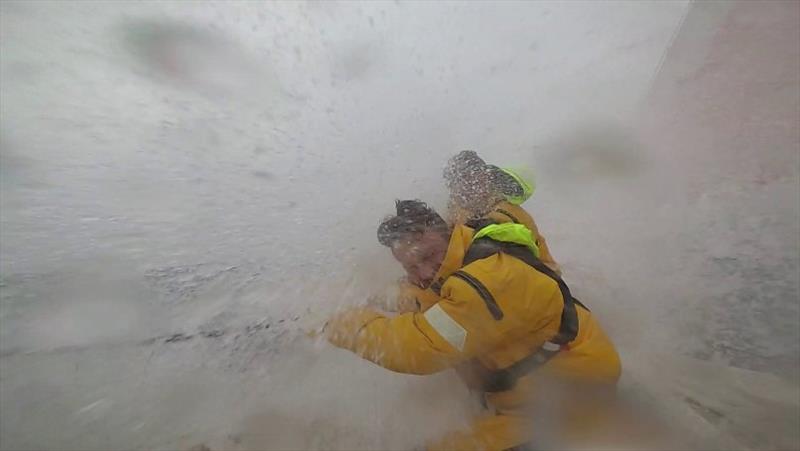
(503, 183)
(412, 217)
(465, 165)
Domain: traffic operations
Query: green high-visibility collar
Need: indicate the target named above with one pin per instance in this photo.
(509, 233)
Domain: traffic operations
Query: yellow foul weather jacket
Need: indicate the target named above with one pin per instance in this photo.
(497, 313)
(509, 210)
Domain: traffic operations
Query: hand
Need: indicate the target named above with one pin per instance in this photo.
(378, 301)
(313, 325)
(386, 300)
(343, 328)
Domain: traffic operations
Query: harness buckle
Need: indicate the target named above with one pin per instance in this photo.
(549, 346)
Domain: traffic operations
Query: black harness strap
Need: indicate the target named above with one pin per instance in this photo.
(437, 286)
(505, 379)
(483, 292)
(486, 247)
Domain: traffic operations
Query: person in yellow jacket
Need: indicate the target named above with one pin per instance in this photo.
(480, 190)
(502, 314)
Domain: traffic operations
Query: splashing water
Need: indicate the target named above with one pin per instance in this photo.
(187, 189)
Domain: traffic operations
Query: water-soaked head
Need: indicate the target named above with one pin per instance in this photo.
(469, 179)
(418, 237)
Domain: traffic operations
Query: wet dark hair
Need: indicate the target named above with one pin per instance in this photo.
(465, 165)
(503, 183)
(413, 216)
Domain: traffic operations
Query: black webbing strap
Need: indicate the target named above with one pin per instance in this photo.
(505, 379)
(485, 247)
(483, 292)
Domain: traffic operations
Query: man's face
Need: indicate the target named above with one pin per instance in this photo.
(422, 256)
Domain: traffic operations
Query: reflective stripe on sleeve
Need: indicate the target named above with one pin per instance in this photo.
(446, 326)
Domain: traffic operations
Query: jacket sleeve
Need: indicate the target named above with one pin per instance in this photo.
(412, 298)
(407, 343)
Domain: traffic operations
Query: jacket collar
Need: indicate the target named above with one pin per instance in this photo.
(460, 240)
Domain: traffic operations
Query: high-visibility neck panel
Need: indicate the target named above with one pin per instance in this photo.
(509, 233)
